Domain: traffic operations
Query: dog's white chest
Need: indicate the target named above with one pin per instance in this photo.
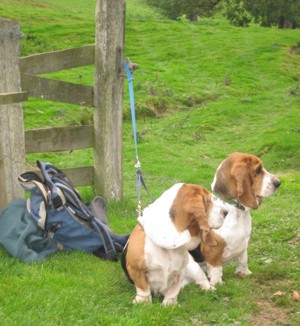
(236, 232)
(165, 266)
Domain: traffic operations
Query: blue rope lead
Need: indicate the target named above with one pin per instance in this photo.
(129, 74)
(129, 69)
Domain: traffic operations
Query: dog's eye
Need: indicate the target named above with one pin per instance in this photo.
(259, 170)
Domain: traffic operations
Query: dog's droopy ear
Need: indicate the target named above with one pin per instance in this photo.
(207, 237)
(244, 181)
(189, 211)
(198, 207)
(234, 180)
(224, 183)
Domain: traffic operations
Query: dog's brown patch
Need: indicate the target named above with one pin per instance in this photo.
(190, 211)
(135, 262)
(213, 254)
(240, 177)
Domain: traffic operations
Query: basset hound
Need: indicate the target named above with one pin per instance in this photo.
(241, 182)
(156, 255)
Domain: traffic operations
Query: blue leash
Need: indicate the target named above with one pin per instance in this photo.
(129, 74)
(129, 69)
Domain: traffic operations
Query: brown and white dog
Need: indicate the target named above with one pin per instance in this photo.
(156, 256)
(241, 182)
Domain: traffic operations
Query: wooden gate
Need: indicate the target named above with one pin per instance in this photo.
(18, 80)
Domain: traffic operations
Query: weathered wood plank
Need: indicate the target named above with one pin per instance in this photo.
(13, 97)
(58, 60)
(83, 176)
(108, 85)
(56, 139)
(12, 158)
(57, 90)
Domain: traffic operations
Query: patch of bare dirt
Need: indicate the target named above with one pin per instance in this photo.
(295, 241)
(269, 314)
(295, 49)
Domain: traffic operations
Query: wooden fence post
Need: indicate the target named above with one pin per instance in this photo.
(108, 97)
(12, 147)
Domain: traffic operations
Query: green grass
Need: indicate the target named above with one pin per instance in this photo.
(202, 91)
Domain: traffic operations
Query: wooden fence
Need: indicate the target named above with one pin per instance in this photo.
(18, 80)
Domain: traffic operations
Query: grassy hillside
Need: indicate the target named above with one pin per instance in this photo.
(202, 91)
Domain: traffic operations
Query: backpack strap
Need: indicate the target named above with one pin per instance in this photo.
(56, 199)
(30, 181)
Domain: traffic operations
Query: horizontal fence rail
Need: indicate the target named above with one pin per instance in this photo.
(57, 90)
(57, 139)
(13, 97)
(58, 60)
(83, 176)
(65, 138)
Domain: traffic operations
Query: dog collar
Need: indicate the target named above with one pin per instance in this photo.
(233, 202)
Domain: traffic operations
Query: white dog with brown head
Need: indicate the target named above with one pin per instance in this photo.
(156, 255)
(240, 182)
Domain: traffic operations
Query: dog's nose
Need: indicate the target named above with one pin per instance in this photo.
(277, 183)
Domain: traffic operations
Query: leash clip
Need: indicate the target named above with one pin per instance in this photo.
(139, 208)
(138, 164)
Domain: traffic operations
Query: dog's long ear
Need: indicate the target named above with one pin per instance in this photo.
(244, 181)
(234, 180)
(198, 208)
(224, 183)
(190, 210)
(207, 237)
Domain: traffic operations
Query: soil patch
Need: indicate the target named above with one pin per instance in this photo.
(295, 49)
(269, 314)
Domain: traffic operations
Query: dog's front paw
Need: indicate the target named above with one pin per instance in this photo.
(215, 275)
(205, 285)
(169, 301)
(140, 298)
(215, 281)
(242, 273)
